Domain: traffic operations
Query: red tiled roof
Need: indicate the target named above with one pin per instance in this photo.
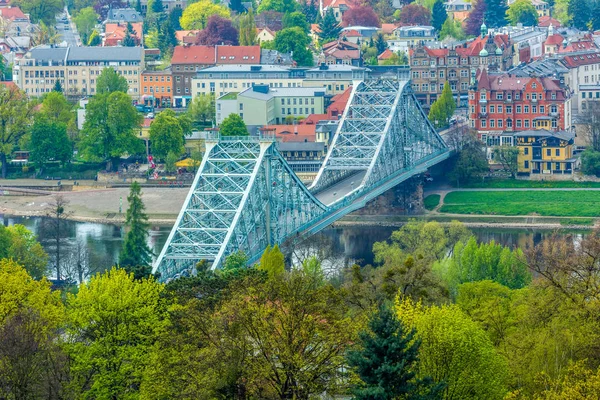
(293, 133)
(352, 33)
(511, 82)
(147, 122)
(385, 55)
(315, 28)
(341, 45)
(436, 52)
(585, 59)
(554, 40)
(312, 119)
(117, 32)
(578, 46)
(12, 13)
(193, 55)
(546, 21)
(337, 3)
(338, 103)
(266, 28)
(238, 55)
(180, 35)
(10, 85)
(387, 29)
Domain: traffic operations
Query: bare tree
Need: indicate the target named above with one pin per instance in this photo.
(56, 217)
(590, 120)
(77, 266)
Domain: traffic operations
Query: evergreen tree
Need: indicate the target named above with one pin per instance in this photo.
(448, 101)
(495, 13)
(247, 30)
(387, 361)
(138, 6)
(57, 87)
(237, 6)
(166, 38)
(380, 44)
(272, 262)
(129, 40)
(330, 28)
(438, 15)
(473, 26)
(310, 8)
(596, 17)
(157, 6)
(580, 13)
(136, 256)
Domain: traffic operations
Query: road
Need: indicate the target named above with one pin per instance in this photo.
(69, 35)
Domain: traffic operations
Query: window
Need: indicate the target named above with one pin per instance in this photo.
(483, 109)
(557, 152)
(492, 123)
(518, 109)
(482, 96)
(518, 123)
(533, 96)
(526, 163)
(509, 109)
(483, 123)
(517, 96)
(492, 109)
(526, 109)
(553, 108)
(548, 152)
(542, 109)
(242, 115)
(534, 85)
(509, 123)
(241, 106)
(548, 165)
(526, 151)
(526, 123)
(499, 109)
(499, 96)
(534, 109)
(508, 96)
(499, 123)
(554, 124)
(553, 96)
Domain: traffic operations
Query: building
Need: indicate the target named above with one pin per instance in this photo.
(542, 152)
(264, 35)
(77, 69)
(168, 5)
(458, 9)
(415, 35)
(123, 15)
(340, 52)
(527, 42)
(261, 105)
(546, 21)
(157, 88)
(339, 7)
(335, 79)
(502, 104)
(188, 60)
(115, 33)
(223, 79)
(542, 8)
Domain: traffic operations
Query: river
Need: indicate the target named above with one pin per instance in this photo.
(98, 245)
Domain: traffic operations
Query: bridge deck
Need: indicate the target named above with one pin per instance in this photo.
(341, 189)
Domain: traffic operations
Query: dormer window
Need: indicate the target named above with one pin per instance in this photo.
(533, 86)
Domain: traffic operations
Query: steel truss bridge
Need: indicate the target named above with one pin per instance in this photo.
(246, 197)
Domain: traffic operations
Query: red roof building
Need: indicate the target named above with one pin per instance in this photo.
(238, 55)
(340, 52)
(338, 104)
(115, 33)
(12, 13)
(545, 21)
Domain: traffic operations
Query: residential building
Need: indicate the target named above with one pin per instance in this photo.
(168, 5)
(77, 69)
(584, 70)
(546, 21)
(273, 57)
(115, 33)
(543, 152)
(264, 35)
(501, 104)
(339, 7)
(340, 52)
(261, 105)
(186, 37)
(157, 88)
(123, 15)
(415, 35)
(223, 79)
(187, 60)
(335, 79)
(542, 8)
(458, 9)
(527, 42)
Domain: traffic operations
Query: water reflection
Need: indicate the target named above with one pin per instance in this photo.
(341, 246)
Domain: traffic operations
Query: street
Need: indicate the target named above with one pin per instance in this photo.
(68, 35)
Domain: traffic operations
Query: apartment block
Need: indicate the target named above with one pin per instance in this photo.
(334, 79)
(77, 68)
(157, 88)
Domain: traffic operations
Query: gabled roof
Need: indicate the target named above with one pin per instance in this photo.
(582, 59)
(554, 40)
(12, 13)
(337, 3)
(193, 55)
(545, 21)
(388, 29)
(579, 45)
(124, 14)
(266, 28)
(314, 28)
(512, 82)
(238, 55)
(352, 33)
(292, 133)
(436, 52)
(340, 45)
(385, 55)
(180, 35)
(114, 32)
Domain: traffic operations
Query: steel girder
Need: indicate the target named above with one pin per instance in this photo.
(244, 197)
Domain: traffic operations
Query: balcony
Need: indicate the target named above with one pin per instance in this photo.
(483, 115)
(508, 101)
(534, 101)
(553, 114)
(483, 101)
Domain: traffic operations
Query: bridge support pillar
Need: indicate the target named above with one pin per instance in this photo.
(405, 198)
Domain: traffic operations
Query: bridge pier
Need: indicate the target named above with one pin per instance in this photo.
(405, 198)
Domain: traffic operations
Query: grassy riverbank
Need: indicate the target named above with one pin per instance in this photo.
(524, 184)
(519, 203)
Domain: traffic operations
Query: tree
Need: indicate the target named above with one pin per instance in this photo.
(174, 17)
(103, 6)
(218, 31)
(590, 162)
(113, 322)
(171, 162)
(396, 59)
(272, 262)
(380, 44)
(329, 27)
(138, 6)
(283, 6)
(136, 256)
(157, 6)
(21, 245)
(85, 21)
(247, 30)
(508, 157)
(296, 19)
(110, 127)
(310, 8)
(237, 260)
(522, 11)
(456, 351)
(130, 40)
(233, 125)
(475, 19)
(49, 141)
(452, 29)
(15, 116)
(360, 16)
(495, 13)
(109, 81)
(202, 108)
(56, 108)
(471, 162)
(561, 12)
(166, 38)
(196, 15)
(580, 13)
(94, 39)
(414, 14)
(387, 361)
(296, 41)
(42, 10)
(56, 218)
(57, 87)
(443, 108)
(166, 135)
(438, 15)
(237, 6)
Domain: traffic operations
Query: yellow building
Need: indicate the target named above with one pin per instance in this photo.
(545, 152)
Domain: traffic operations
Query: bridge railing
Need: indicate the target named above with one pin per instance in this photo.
(217, 137)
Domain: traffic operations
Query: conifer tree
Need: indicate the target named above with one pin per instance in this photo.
(387, 362)
(247, 30)
(272, 261)
(580, 13)
(136, 256)
(157, 6)
(330, 28)
(57, 87)
(495, 13)
(438, 15)
(380, 44)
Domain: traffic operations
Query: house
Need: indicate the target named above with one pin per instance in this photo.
(352, 36)
(264, 35)
(543, 152)
(335, 79)
(340, 52)
(553, 42)
(314, 32)
(185, 62)
(458, 10)
(388, 29)
(186, 37)
(339, 7)
(545, 21)
(123, 15)
(12, 13)
(386, 55)
(415, 35)
(115, 33)
(157, 88)
(168, 5)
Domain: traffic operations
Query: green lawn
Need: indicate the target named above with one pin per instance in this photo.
(430, 202)
(515, 183)
(544, 203)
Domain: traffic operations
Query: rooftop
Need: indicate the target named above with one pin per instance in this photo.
(229, 96)
(105, 54)
(245, 68)
(263, 92)
(124, 14)
(541, 133)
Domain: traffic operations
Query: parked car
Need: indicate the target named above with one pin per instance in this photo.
(150, 115)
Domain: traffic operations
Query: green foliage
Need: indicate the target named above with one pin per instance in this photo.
(472, 262)
(455, 350)
(166, 39)
(202, 109)
(15, 117)
(110, 127)
(170, 162)
(233, 125)
(296, 19)
(41, 10)
(453, 29)
(590, 162)
(522, 11)
(196, 15)
(57, 87)
(470, 164)
(294, 40)
(432, 201)
(136, 255)
(236, 260)
(20, 245)
(438, 15)
(443, 108)
(329, 26)
(94, 39)
(387, 360)
(272, 262)
(561, 11)
(580, 13)
(166, 135)
(247, 30)
(508, 156)
(156, 6)
(311, 266)
(85, 21)
(109, 81)
(49, 141)
(495, 13)
(396, 59)
(114, 321)
(545, 203)
(283, 6)
(380, 43)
